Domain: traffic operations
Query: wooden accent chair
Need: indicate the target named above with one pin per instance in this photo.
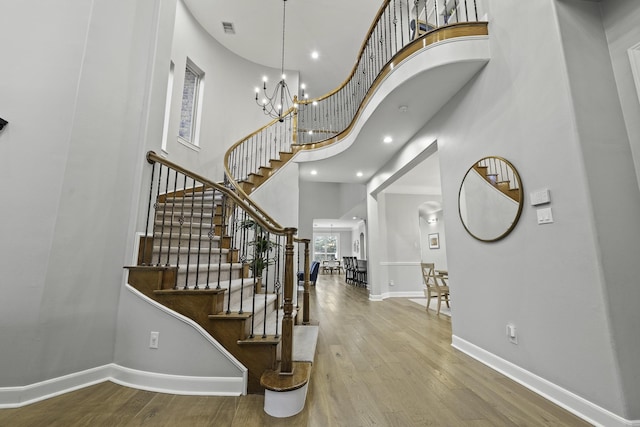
(434, 288)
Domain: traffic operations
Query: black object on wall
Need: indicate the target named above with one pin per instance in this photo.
(2, 123)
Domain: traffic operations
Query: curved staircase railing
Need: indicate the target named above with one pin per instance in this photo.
(399, 30)
(218, 259)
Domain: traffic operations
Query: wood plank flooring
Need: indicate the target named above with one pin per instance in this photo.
(384, 363)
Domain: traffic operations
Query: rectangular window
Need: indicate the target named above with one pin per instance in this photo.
(325, 246)
(167, 108)
(191, 103)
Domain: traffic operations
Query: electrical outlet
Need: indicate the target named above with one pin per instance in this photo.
(511, 333)
(153, 339)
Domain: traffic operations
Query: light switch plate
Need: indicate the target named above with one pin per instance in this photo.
(540, 197)
(545, 216)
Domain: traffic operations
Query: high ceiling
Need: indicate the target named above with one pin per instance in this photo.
(334, 28)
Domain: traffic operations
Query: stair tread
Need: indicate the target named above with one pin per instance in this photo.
(259, 339)
(177, 235)
(174, 249)
(272, 380)
(189, 291)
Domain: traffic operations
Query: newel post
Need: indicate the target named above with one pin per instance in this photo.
(295, 120)
(286, 365)
(307, 279)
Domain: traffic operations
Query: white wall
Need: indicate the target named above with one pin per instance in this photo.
(279, 196)
(605, 145)
(437, 256)
(620, 19)
(326, 200)
(360, 228)
(73, 86)
(84, 94)
(229, 99)
(178, 340)
(522, 106)
(405, 243)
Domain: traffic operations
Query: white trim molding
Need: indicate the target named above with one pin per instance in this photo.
(634, 58)
(385, 295)
(178, 384)
(401, 263)
(573, 403)
(16, 397)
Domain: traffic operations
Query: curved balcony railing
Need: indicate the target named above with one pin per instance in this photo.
(399, 29)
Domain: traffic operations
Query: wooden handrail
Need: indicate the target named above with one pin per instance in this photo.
(254, 210)
(258, 216)
(462, 29)
(448, 31)
(230, 177)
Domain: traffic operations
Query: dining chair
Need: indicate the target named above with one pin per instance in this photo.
(436, 285)
(349, 273)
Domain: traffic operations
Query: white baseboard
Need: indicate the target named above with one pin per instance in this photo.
(573, 403)
(399, 294)
(16, 397)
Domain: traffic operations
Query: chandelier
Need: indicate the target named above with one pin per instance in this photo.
(280, 100)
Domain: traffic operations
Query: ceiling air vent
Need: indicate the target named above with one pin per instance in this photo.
(228, 28)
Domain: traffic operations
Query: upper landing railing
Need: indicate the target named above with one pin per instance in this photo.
(399, 29)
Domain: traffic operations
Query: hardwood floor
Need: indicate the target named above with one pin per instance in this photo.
(384, 363)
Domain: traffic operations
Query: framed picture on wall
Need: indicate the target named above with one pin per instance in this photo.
(434, 241)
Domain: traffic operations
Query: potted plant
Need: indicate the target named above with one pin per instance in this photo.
(262, 248)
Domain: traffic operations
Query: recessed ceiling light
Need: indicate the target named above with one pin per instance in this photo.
(314, 172)
(315, 54)
(387, 139)
(359, 174)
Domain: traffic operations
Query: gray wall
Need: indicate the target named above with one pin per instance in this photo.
(326, 200)
(620, 19)
(226, 76)
(73, 86)
(605, 146)
(436, 256)
(567, 285)
(83, 85)
(228, 105)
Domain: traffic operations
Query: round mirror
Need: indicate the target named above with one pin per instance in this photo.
(490, 199)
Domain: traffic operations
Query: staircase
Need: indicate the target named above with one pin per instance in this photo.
(198, 258)
(256, 179)
(498, 173)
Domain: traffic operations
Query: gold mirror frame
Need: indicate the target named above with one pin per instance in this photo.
(490, 199)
